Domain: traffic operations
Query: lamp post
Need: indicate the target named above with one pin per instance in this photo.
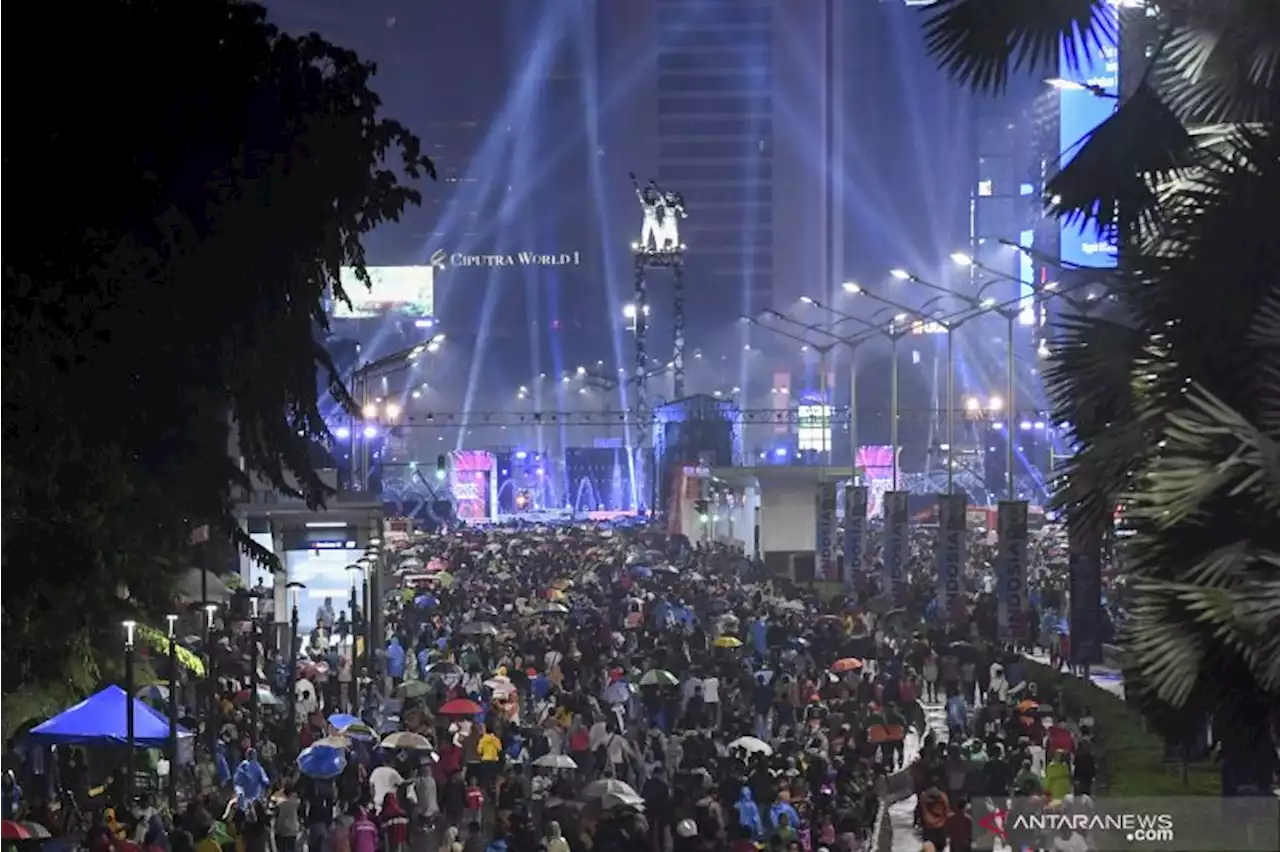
(369, 411)
(823, 350)
(254, 720)
(211, 692)
(130, 744)
(173, 714)
(292, 744)
(353, 690)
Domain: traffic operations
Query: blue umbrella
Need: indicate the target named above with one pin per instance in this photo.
(343, 720)
(322, 761)
(642, 570)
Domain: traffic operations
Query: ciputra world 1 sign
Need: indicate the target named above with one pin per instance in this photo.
(443, 260)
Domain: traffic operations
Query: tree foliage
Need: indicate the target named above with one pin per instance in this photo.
(194, 179)
(1175, 399)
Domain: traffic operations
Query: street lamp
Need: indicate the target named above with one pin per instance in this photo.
(400, 360)
(130, 743)
(353, 694)
(292, 588)
(254, 720)
(173, 714)
(211, 691)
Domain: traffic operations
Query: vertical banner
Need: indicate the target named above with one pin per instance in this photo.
(950, 555)
(827, 563)
(1011, 570)
(855, 531)
(1084, 564)
(897, 516)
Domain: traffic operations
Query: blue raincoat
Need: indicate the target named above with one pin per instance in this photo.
(395, 658)
(251, 781)
(749, 813)
(780, 808)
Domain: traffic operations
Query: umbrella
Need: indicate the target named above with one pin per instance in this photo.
(554, 609)
(556, 761)
(13, 830)
(444, 668)
(342, 721)
(727, 642)
(359, 731)
(407, 740)
(265, 696)
(320, 761)
(659, 677)
(413, 689)
(753, 745)
(157, 693)
(609, 801)
(478, 628)
(607, 787)
(36, 830)
(335, 741)
(618, 692)
(459, 707)
(848, 664)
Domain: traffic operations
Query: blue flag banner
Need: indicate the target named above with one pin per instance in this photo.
(826, 558)
(855, 531)
(949, 555)
(897, 517)
(1011, 569)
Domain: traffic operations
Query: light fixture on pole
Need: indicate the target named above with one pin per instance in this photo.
(173, 714)
(824, 407)
(353, 607)
(130, 736)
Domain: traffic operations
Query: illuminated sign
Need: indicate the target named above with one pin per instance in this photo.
(928, 327)
(395, 290)
(441, 259)
(1079, 112)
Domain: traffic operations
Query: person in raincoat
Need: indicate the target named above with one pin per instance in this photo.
(250, 781)
(1057, 777)
(749, 814)
(395, 660)
(783, 807)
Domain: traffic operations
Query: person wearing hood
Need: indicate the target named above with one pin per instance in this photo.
(749, 813)
(554, 841)
(250, 781)
(395, 660)
(363, 833)
(783, 807)
(498, 844)
(1057, 777)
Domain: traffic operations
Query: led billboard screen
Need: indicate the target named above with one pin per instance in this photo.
(407, 291)
(1079, 112)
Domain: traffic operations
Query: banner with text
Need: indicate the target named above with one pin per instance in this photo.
(825, 552)
(949, 555)
(1011, 569)
(1084, 566)
(897, 544)
(855, 530)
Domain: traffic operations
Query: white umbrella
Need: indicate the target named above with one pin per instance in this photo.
(306, 697)
(609, 801)
(335, 741)
(753, 745)
(407, 740)
(556, 761)
(607, 787)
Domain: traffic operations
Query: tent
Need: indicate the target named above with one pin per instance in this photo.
(102, 719)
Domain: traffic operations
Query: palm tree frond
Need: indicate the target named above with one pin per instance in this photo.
(980, 42)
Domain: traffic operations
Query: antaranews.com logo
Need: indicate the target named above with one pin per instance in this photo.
(1136, 828)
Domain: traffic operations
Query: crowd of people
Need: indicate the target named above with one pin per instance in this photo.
(586, 687)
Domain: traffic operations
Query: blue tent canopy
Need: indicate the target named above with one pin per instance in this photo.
(101, 719)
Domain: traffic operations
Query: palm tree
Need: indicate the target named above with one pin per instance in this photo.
(1175, 398)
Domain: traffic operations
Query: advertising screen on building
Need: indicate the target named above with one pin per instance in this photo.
(1086, 98)
(407, 291)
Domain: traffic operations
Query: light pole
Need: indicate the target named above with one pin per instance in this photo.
(292, 588)
(130, 743)
(254, 721)
(823, 350)
(364, 430)
(211, 690)
(173, 714)
(894, 330)
(353, 693)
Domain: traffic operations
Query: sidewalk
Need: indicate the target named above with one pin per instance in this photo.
(902, 814)
(1101, 676)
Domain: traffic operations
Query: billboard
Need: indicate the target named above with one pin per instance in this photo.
(406, 291)
(855, 531)
(1079, 112)
(827, 566)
